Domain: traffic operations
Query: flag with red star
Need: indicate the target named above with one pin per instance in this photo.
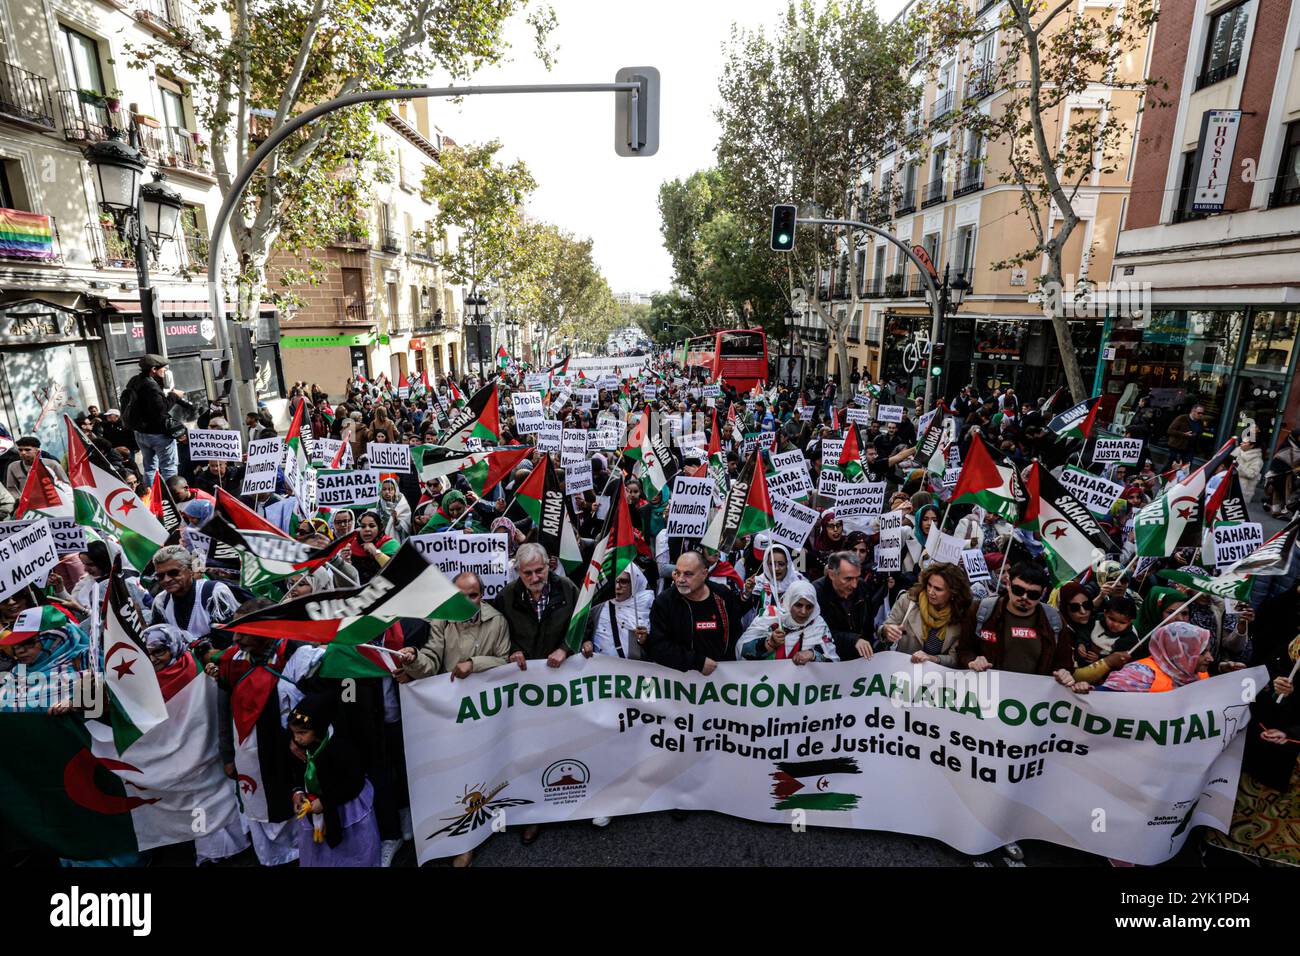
(1072, 537)
(1160, 526)
(615, 550)
(135, 698)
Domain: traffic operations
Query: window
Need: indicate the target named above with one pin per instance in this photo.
(931, 244)
(1223, 44)
(965, 251)
(1287, 190)
(13, 191)
(83, 60)
(880, 267)
(173, 109)
(1183, 211)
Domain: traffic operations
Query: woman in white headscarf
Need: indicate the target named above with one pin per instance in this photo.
(777, 568)
(395, 510)
(797, 633)
(621, 626)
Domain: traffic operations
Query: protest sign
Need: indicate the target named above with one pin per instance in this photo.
(792, 484)
(587, 397)
(689, 506)
(1124, 451)
(346, 489)
(577, 477)
(950, 476)
(1095, 493)
(794, 522)
(609, 437)
(487, 555)
(573, 441)
(550, 435)
(943, 547)
(536, 380)
(977, 761)
(69, 537)
(790, 461)
(264, 456)
(382, 457)
(889, 557)
(473, 444)
(806, 412)
(831, 449)
(713, 390)
(325, 450)
(858, 416)
(609, 382)
(692, 444)
(859, 499)
(528, 412)
(215, 444)
(977, 569)
(892, 524)
(1232, 542)
(829, 483)
(889, 413)
(651, 392)
(26, 557)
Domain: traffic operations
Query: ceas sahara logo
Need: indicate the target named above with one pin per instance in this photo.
(565, 781)
(478, 806)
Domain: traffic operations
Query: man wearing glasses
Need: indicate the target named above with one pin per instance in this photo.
(1016, 630)
(198, 607)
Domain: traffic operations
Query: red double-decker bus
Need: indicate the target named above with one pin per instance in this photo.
(738, 355)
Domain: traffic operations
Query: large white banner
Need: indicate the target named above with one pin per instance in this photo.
(977, 761)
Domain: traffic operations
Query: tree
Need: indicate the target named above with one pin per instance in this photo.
(484, 200)
(279, 57)
(571, 299)
(801, 115)
(1055, 57)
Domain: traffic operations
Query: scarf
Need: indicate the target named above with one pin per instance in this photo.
(1176, 648)
(932, 618)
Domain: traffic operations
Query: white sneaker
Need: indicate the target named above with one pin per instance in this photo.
(388, 851)
(404, 815)
(600, 821)
(1013, 852)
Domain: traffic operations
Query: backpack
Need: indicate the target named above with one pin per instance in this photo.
(986, 611)
(129, 407)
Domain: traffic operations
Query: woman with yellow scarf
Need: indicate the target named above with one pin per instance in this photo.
(928, 620)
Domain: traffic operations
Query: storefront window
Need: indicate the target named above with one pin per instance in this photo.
(1000, 340)
(903, 347)
(1272, 339)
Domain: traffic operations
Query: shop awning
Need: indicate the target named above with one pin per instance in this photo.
(179, 306)
(328, 341)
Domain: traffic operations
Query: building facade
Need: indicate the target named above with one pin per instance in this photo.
(382, 305)
(1213, 228)
(70, 316)
(949, 199)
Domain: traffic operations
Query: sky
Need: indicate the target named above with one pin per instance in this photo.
(567, 140)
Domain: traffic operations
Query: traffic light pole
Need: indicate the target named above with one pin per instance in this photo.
(641, 126)
(936, 325)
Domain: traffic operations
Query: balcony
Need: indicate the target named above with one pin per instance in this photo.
(357, 237)
(109, 248)
(895, 286)
(912, 125)
(25, 97)
(351, 312)
(874, 289)
(419, 248)
(918, 288)
(936, 190)
(402, 322)
(196, 250)
(979, 81)
(29, 237)
(174, 148)
(174, 19)
(1218, 74)
(906, 202)
(428, 322)
(942, 107)
(87, 119)
(390, 241)
(971, 180)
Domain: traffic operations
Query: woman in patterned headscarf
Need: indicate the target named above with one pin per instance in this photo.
(1178, 657)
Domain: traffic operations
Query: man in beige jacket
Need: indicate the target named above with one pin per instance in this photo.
(460, 648)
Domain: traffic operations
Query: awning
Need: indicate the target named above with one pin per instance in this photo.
(179, 306)
(326, 341)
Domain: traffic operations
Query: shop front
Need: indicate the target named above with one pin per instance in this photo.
(1237, 363)
(48, 353)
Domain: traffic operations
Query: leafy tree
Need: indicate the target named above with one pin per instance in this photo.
(1054, 55)
(802, 113)
(571, 299)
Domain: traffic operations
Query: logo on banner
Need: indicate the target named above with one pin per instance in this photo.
(476, 809)
(565, 781)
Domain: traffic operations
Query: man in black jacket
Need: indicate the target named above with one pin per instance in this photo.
(148, 404)
(846, 605)
(537, 608)
(695, 623)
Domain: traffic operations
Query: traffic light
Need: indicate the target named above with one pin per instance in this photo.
(936, 358)
(783, 221)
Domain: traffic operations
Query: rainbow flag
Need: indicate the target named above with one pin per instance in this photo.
(26, 235)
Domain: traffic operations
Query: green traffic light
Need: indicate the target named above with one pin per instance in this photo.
(936, 370)
(783, 238)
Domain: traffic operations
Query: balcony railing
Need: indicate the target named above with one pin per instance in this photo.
(350, 311)
(918, 288)
(196, 250)
(36, 241)
(906, 202)
(109, 248)
(173, 147)
(1218, 74)
(177, 19)
(355, 238)
(913, 122)
(942, 107)
(420, 248)
(874, 289)
(971, 180)
(390, 241)
(979, 82)
(86, 121)
(895, 285)
(935, 192)
(25, 96)
(428, 321)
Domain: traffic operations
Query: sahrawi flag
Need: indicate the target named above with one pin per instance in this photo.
(266, 559)
(42, 496)
(850, 463)
(541, 499)
(657, 465)
(135, 699)
(615, 550)
(297, 452)
(815, 784)
(1271, 558)
(74, 794)
(1159, 527)
(748, 508)
(933, 445)
(717, 462)
(403, 387)
(1077, 420)
(105, 504)
(1071, 536)
(636, 440)
(484, 470)
(479, 419)
(162, 505)
(985, 482)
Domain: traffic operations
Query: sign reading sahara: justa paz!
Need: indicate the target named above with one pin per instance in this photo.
(975, 760)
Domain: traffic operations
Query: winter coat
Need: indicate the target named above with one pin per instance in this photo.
(484, 641)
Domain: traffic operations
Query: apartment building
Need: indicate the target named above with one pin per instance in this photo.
(70, 316)
(948, 198)
(1213, 226)
(382, 305)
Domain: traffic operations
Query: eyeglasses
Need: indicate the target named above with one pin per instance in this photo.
(162, 575)
(1078, 605)
(1029, 594)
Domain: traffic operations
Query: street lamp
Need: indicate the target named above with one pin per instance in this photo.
(145, 214)
(476, 303)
